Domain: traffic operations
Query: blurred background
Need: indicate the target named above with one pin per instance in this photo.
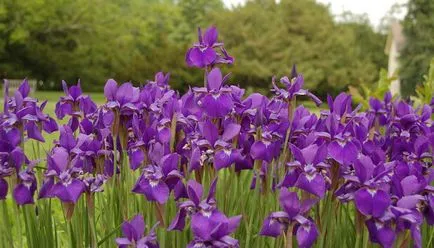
(335, 43)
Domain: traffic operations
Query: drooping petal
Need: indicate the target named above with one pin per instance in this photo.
(179, 222)
(209, 131)
(70, 192)
(23, 194)
(314, 184)
(217, 105)
(306, 235)
(33, 132)
(372, 202)
(222, 159)
(258, 151)
(271, 227)
(154, 191)
(136, 158)
(343, 153)
(49, 125)
(231, 131)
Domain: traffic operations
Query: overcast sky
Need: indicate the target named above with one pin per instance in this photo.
(375, 9)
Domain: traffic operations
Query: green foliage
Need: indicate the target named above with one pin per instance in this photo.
(425, 91)
(365, 92)
(416, 55)
(52, 40)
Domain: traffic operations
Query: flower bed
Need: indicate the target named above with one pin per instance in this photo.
(215, 168)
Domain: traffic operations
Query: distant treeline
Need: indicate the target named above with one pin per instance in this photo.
(51, 40)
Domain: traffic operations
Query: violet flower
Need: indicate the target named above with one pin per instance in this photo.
(293, 88)
(134, 234)
(26, 187)
(74, 102)
(215, 99)
(23, 112)
(277, 223)
(214, 148)
(157, 181)
(308, 171)
(204, 54)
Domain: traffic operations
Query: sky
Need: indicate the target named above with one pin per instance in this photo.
(375, 9)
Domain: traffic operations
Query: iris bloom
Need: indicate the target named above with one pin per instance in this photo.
(74, 102)
(134, 234)
(278, 223)
(204, 54)
(25, 189)
(215, 99)
(293, 88)
(62, 180)
(157, 181)
(308, 171)
(214, 148)
(210, 226)
(23, 112)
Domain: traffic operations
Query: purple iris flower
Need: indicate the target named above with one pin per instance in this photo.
(215, 100)
(308, 171)
(268, 146)
(62, 180)
(210, 226)
(204, 54)
(122, 101)
(134, 234)
(214, 148)
(138, 148)
(23, 112)
(26, 187)
(157, 181)
(278, 223)
(74, 104)
(341, 107)
(213, 230)
(293, 88)
(154, 90)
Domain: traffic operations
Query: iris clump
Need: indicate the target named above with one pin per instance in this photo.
(340, 177)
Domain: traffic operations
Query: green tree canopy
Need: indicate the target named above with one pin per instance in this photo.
(418, 26)
(52, 40)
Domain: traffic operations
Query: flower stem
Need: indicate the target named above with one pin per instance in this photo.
(289, 236)
(91, 215)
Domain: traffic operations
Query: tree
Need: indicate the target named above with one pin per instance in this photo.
(418, 26)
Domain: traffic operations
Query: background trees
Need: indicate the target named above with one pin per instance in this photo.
(52, 40)
(418, 51)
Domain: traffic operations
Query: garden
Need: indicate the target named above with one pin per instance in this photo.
(215, 167)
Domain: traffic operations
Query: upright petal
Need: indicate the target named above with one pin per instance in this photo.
(210, 36)
(194, 191)
(289, 202)
(110, 89)
(214, 79)
(139, 225)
